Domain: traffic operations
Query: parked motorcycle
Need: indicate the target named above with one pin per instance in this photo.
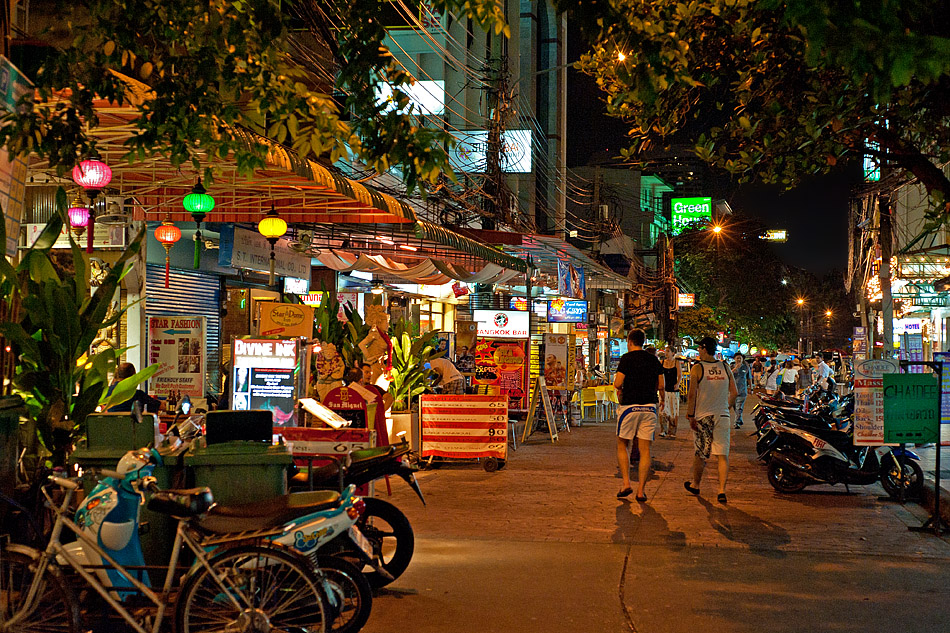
(383, 524)
(802, 458)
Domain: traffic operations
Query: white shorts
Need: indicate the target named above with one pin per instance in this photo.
(711, 436)
(636, 420)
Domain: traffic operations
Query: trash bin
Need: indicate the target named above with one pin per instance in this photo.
(107, 437)
(237, 458)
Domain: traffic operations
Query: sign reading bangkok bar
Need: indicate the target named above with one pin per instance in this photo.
(177, 343)
(466, 426)
(502, 323)
(688, 212)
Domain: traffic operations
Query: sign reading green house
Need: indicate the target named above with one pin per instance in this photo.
(911, 408)
(689, 212)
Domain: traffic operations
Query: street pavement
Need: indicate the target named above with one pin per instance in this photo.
(544, 545)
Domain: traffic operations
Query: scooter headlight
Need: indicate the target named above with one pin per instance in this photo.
(355, 510)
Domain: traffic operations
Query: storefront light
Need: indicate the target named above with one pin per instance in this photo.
(199, 204)
(93, 176)
(406, 247)
(167, 235)
(272, 227)
(377, 289)
(78, 214)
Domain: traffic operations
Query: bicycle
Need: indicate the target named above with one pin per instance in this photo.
(244, 588)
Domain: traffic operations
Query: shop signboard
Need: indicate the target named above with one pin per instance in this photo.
(571, 280)
(501, 366)
(285, 319)
(177, 344)
(869, 400)
(470, 152)
(559, 360)
(294, 286)
(13, 173)
(567, 311)
(266, 373)
(859, 342)
(912, 349)
(521, 303)
(686, 300)
(911, 408)
(688, 212)
(944, 357)
(249, 250)
(501, 323)
(464, 426)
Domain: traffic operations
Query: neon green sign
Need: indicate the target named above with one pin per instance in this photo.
(690, 212)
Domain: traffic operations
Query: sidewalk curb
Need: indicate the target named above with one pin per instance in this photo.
(928, 499)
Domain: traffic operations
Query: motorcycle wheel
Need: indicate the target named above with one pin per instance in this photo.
(782, 480)
(388, 529)
(350, 588)
(913, 478)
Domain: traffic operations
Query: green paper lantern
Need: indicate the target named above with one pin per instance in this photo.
(198, 203)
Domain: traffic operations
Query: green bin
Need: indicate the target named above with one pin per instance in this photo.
(240, 471)
(109, 436)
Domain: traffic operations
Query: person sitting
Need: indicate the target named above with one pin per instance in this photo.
(145, 401)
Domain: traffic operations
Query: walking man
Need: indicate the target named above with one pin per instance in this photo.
(712, 393)
(743, 378)
(639, 381)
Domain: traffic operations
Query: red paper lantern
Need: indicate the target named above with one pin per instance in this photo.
(92, 175)
(167, 235)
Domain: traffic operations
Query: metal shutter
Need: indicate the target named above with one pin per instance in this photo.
(189, 293)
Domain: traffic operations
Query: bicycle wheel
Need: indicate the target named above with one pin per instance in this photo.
(55, 610)
(353, 593)
(256, 589)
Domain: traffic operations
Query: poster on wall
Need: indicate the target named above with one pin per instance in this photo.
(869, 400)
(860, 342)
(501, 367)
(570, 280)
(285, 319)
(559, 361)
(177, 343)
(265, 376)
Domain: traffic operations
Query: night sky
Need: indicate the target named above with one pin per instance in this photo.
(815, 213)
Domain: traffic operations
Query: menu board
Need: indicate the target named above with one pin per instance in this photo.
(944, 357)
(501, 365)
(464, 426)
(265, 376)
(869, 400)
(177, 343)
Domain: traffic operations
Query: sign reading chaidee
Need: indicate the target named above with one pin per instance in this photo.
(177, 343)
(464, 426)
(265, 377)
(690, 211)
(869, 400)
(502, 323)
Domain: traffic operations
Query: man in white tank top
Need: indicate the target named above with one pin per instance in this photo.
(711, 394)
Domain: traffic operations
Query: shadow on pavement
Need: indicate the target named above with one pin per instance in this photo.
(762, 538)
(647, 525)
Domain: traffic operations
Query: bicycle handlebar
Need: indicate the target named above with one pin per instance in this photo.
(63, 482)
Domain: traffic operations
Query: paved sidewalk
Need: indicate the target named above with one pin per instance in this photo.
(545, 545)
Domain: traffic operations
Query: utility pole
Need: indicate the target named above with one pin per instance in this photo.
(884, 274)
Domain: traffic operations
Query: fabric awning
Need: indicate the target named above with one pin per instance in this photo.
(430, 231)
(428, 271)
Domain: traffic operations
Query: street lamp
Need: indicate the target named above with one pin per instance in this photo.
(801, 323)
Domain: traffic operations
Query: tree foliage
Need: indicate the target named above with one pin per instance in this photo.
(214, 66)
(772, 90)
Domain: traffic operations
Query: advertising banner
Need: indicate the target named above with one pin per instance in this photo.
(869, 400)
(567, 311)
(177, 343)
(13, 174)
(242, 248)
(464, 427)
(911, 408)
(685, 300)
(912, 349)
(501, 366)
(265, 376)
(560, 364)
(571, 280)
(859, 342)
(689, 212)
(501, 323)
(285, 319)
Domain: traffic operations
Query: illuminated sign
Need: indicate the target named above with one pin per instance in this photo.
(294, 286)
(502, 323)
(469, 155)
(425, 97)
(775, 235)
(689, 212)
(521, 303)
(686, 300)
(567, 311)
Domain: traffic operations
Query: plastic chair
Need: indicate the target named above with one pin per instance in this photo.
(589, 400)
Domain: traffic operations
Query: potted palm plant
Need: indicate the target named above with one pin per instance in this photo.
(410, 374)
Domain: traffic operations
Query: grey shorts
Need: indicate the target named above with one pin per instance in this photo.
(711, 436)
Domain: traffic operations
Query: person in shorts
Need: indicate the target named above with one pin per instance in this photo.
(639, 381)
(712, 393)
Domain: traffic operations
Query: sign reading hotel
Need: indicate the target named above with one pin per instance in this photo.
(689, 212)
(869, 400)
(177, 344)
(265, 373)
(502, 323)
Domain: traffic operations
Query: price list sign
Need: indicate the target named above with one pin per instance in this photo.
(464, 426)
(869, 400)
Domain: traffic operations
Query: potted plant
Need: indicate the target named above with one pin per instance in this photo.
(409, 373)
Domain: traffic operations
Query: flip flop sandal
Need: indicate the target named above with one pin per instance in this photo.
(689, 488)
(721, 497)
(626, 492)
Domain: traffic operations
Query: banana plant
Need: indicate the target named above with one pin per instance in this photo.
(59, 379)
(410, 357)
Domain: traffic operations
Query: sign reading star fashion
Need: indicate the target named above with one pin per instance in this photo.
(502, 323)
(690, 211)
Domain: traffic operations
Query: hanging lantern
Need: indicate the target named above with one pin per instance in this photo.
(92, 175)
(272, 227)
(78, 215)
(167, 235)
(198, 203)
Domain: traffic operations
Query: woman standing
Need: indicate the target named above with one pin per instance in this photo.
(789, 379)
(672, 374)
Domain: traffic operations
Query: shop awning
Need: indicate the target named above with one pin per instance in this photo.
(428, 271)
(429, 231)
(546, 250)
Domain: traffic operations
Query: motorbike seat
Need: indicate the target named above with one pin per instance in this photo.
(183, 503)
(271, 513)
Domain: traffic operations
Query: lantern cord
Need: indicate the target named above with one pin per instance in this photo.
(91, 229)
(168, 261)
(271, 281)
(197, 249)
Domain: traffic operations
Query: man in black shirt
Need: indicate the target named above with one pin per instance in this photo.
(638, 380)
